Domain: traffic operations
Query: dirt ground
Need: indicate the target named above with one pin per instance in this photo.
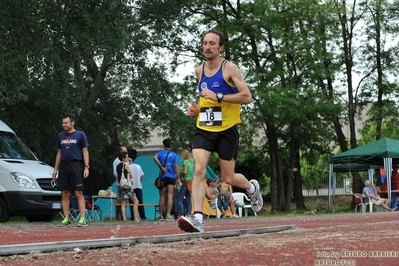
(319, 239)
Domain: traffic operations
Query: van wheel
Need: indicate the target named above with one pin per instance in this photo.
(4, 214)
(40, 218)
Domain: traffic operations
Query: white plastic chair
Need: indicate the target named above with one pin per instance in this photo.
(213, 204)
(371, 204)
(362, 204)
(242, 200)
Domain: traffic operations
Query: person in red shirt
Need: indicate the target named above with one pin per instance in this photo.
(394, 186)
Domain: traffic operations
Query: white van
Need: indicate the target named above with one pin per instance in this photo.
(25, 182)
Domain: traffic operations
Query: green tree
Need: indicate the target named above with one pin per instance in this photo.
(312, 67)
(277, 46)
(89, 59)
(365, 31)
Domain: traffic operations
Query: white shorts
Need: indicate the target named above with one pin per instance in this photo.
(378, 202)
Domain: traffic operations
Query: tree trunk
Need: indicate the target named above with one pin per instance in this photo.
(378, 55)
(298, 195)
(290, 174)
(273, 161)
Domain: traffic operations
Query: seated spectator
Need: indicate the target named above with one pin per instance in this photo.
(370, 191)
(212, 190)
(223, 198)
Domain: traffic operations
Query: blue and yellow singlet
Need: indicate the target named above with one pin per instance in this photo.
(214, 116)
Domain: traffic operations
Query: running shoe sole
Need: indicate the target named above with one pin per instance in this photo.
(82, 225)
(256, 198)
(65, 225)
(186, 225)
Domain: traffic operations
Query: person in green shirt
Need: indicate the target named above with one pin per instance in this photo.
(186, 174)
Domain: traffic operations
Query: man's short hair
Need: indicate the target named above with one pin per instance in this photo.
(71, 118)
(209, 181)
(367, 182)
(167, 143)
(222, 39)
(122, 155)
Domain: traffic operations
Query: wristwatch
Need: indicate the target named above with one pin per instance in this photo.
(87, 166)
(219, 96)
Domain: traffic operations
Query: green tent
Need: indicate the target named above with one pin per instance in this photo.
(372, 153)
(355, 167)
(378, 154)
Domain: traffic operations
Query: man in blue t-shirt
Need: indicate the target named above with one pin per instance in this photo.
(168, 163)
(72, 153)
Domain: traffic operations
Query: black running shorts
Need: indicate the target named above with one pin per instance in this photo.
(70, 176)
(225, 143)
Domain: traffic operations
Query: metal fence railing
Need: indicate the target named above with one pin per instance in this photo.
(344, 187)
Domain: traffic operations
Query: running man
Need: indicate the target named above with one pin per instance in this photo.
(222, 90)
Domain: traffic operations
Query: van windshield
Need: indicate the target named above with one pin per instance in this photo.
(11, 147)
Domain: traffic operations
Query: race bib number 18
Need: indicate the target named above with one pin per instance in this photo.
(211, 116)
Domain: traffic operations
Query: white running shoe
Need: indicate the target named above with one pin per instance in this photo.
(256, 198)
(190, 224)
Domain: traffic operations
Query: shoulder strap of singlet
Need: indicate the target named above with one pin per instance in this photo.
(203, 70)
(221, 66)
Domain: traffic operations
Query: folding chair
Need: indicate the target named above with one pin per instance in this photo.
(73, 209)
(93, 212)
(74, 213)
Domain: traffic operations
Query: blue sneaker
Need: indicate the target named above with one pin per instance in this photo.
(256, 197)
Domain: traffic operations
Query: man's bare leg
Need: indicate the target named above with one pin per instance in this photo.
(65, 202)
(162, 192)
(232, 203)
(231, 178)
(384, 204)
(201, 158)
(240, 181)
(81, 202)
(169, 192)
